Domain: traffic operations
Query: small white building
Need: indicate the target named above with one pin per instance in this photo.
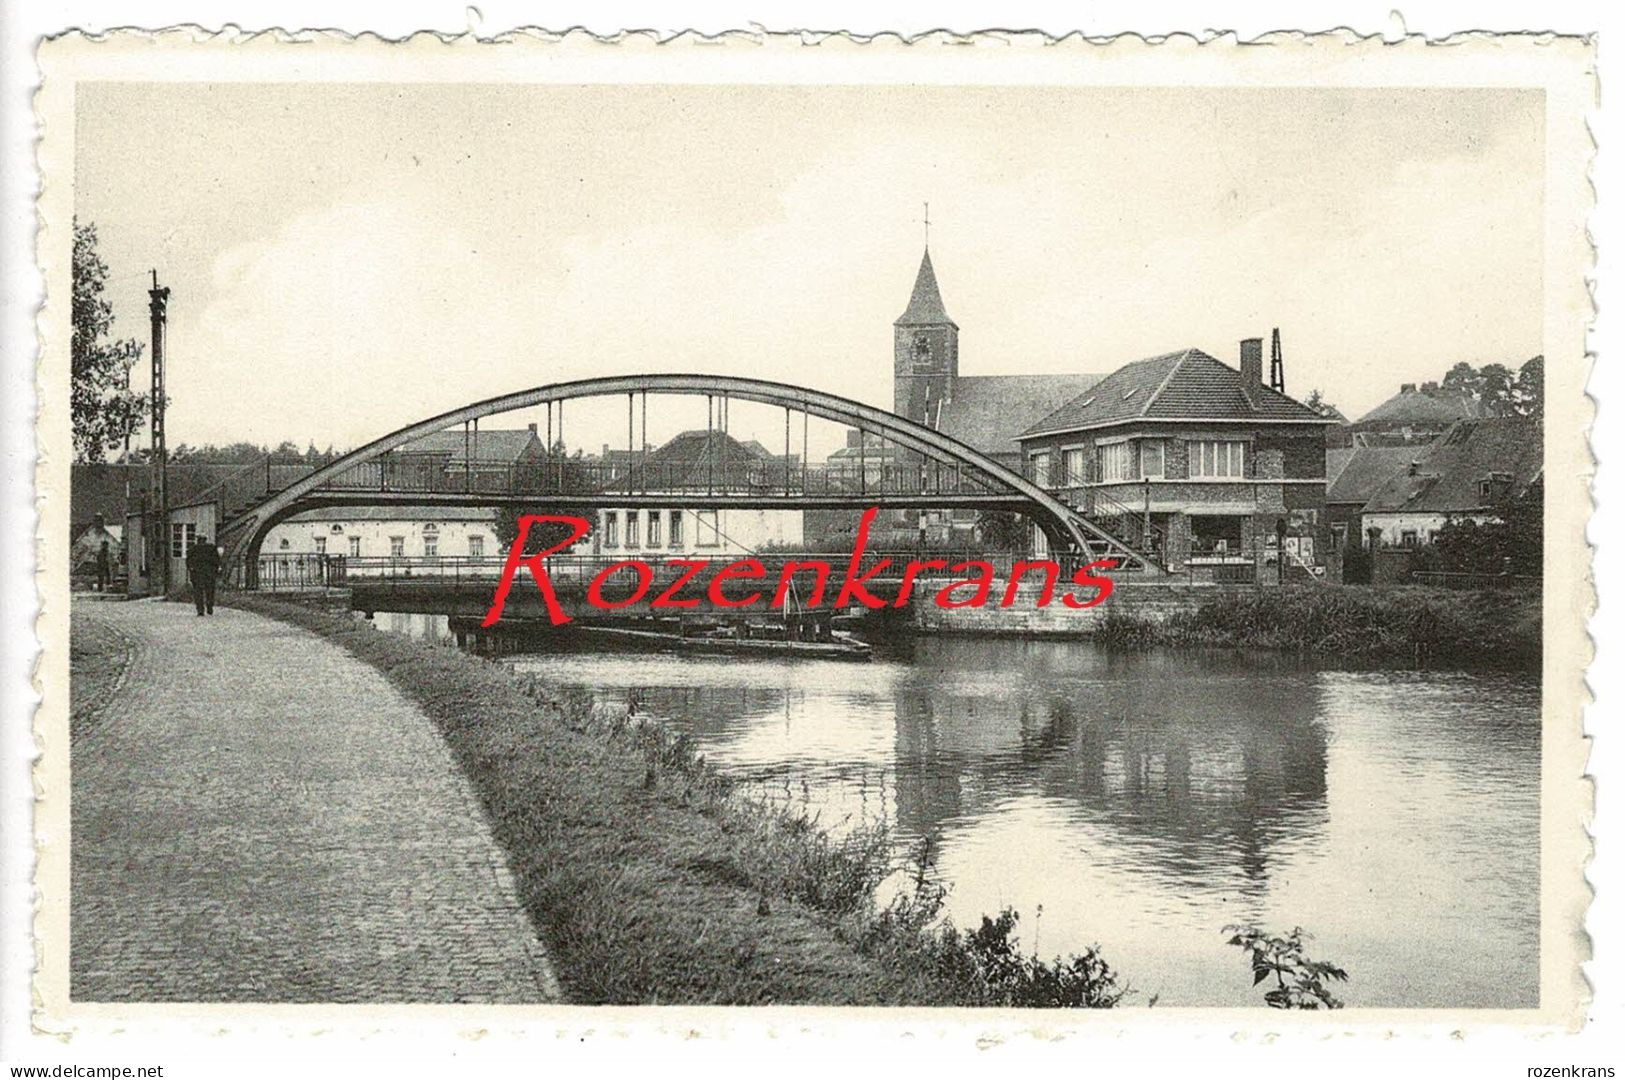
(371, 537)
(700, 534)
(699, 461)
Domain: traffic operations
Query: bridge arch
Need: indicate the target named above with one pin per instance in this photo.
(1067, 530)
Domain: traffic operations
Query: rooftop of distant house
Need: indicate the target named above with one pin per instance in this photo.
(1427, 404)
(1354, 474)
(1449, 475)
(488, 446)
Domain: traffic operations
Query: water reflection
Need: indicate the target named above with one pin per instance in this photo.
(1144, 802)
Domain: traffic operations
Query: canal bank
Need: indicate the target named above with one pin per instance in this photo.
(258, 816)
(654, 882)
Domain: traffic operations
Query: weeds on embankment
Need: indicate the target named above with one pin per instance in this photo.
(1402, 626)
(653, 881)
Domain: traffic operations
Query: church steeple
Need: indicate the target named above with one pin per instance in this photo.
(925, 305)
(925, 350)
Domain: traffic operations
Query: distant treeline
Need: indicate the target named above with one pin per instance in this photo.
(242, 453)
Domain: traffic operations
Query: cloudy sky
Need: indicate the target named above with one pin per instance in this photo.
(345, 259)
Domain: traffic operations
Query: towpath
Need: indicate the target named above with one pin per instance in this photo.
(259, 816)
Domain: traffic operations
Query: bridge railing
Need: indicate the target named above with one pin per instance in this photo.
(432, 474)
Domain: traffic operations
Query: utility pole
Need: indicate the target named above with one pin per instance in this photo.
(159, 306)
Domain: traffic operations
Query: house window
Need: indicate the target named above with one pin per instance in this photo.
(476, 547)
(654, 529)
(182, 534)
(1041, 469)
(431, 541)
(1215, 534)
(397, 546)
(676, 531)
(321, 545)
(1073, 464)
(612, 528)
(1151, 459)
(1114, 461)
(355, 547)
(632, 528)
(1340, 535)
(706, 532)
(1407, 538)
(1218, 459)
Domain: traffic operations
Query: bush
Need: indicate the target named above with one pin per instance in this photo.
(1299, 982)
(1489, 628)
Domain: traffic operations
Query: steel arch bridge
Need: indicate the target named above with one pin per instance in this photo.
(918, 468)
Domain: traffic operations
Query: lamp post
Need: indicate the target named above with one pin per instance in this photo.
(158, 305)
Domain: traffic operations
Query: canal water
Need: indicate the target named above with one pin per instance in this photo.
(1143, 802)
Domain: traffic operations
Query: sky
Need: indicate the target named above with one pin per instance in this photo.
(345, 258)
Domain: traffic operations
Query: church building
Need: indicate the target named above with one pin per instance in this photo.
(985, 412)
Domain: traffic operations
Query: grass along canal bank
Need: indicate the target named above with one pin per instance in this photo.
(1393, 627)
(655, 882)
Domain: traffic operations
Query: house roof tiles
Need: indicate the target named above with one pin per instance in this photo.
(1447, 477)
(1354, 475)
(1184, 385)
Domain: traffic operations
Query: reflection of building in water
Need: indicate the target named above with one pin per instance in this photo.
(1201, 767)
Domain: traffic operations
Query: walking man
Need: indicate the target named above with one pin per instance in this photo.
(202, 564)
(104, 567)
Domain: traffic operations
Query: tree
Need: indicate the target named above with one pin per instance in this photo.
(106, 412)
(1495, 392)
(1496, 388)
(1510, 541)
(556, 472)
(1317, 403)
(1529, 391)
(1000, 530)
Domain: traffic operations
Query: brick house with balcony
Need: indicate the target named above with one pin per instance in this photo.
(1203, 465)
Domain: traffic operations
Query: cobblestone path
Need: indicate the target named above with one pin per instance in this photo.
(259, 816)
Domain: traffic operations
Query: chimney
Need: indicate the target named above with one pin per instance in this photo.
(606, 452)
(101, 521)
(532, 427)
(1407, 388)
(1252, 369)
(1416, 467)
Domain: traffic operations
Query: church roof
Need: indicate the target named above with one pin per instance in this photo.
(987, 412)
(925, 306)
(1185, 385)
